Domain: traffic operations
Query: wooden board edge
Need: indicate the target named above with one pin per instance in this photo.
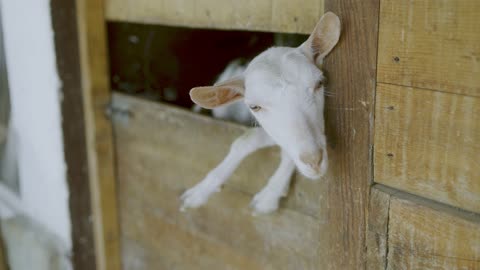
(379, 216)
(377, 228)
(204, 26)
(100, 152)
(191, 18)
(120, 100)
(73, 126)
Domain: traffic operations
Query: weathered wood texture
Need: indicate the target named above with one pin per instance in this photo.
(64, 20)
(351, 72)
(99, 138)
(423, 238)
(161, 151)
(377, 230)
(421, 234)
(265, 15)
(426, 132)
(430, 44)
(426, 143)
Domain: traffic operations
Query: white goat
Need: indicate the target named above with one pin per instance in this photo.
(283, 89)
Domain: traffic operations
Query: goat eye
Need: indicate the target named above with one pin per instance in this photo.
(318, 85)
(255, 108)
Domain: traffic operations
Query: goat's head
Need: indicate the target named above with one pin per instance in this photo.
(283, 87)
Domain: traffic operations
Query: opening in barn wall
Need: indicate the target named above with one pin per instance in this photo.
(162, 150)
(163, 63)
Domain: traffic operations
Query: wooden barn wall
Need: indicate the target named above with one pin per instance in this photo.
(427, 124)
(428, 95)
(431, 45)
(426, 144)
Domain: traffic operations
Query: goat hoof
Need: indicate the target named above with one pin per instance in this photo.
(196, 196)
(265, 202)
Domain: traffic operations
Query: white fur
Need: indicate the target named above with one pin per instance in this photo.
(237, 111)
(284, 82)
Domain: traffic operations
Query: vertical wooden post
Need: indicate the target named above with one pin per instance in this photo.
(349, 117)
(64, 21)
(100, 153)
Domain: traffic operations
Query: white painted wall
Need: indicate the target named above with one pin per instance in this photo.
(36, 115)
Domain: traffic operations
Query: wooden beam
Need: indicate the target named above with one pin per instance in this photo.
(261, 15)
(377, 229)
(99, 137)
(349, 113)
(64, 22)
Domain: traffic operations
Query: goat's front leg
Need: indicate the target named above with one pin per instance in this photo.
(266, 201)
(250, 141)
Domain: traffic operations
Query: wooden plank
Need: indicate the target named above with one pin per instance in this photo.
(410, 232)
(264, 15)
(64, 21)
(426, 144)
(287, 240)
(377, 229)
(351, 69)
(430, 44)
(425, 236)
(162, 150)
(172, 247)
(96, 97)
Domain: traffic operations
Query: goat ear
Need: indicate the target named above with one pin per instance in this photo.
(223, 93)
(323, 38)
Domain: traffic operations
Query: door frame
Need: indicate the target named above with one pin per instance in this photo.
(82, 63)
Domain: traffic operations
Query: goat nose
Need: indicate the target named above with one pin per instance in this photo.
(312, 159)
